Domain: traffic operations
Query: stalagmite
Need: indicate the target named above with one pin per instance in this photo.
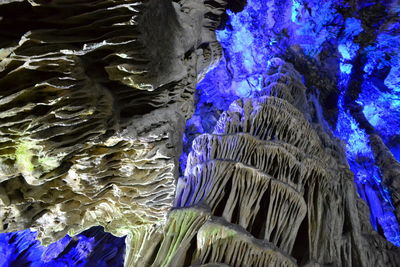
(218, 241)
(273, 186)
(91, 133)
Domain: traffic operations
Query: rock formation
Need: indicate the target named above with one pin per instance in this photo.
(268, 188)
(93, 247)
(93, 104)
(94, 96)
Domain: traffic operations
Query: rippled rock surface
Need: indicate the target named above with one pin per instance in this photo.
(93, 101)
(94, 96)
(269, 187)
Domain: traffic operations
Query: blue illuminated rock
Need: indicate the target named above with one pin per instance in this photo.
(93, 247)
(94, 96)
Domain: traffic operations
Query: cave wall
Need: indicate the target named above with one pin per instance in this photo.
(321, 39)
(94, 97)
(92, 131)
(269, 187)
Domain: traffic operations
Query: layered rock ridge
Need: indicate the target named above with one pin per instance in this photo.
(93, 102)
(268, 187)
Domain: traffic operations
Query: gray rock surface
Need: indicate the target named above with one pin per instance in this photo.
(93, 100)
(269, 188)
(93, 104)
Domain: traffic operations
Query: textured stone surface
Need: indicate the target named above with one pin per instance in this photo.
(91, 132)
(269, 187)
(93, 100)
(93, 247)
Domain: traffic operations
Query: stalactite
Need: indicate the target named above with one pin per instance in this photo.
(268, 174)
(218, 241)
(91, 132)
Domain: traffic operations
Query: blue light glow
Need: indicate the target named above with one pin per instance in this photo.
(381, 107)
(367, 177)
(93, 247)
(315, 24)
(359, 154)
(396, 151)
(343, 50)
(295, 10)
(248, 42)
(345, 68)
(353, 28)
(245, 44)
(392, 81)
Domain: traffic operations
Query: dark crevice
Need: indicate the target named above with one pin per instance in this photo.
(259, 224)
(220, 207)
(301, 245)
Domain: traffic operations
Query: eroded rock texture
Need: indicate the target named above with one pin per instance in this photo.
(93, 101)
(93, 247)
(268, 187)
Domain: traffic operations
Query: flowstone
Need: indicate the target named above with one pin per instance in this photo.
(269, 188)
(93, 102)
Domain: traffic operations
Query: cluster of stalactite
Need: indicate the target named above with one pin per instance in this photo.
(267, 188)
(93, 101)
